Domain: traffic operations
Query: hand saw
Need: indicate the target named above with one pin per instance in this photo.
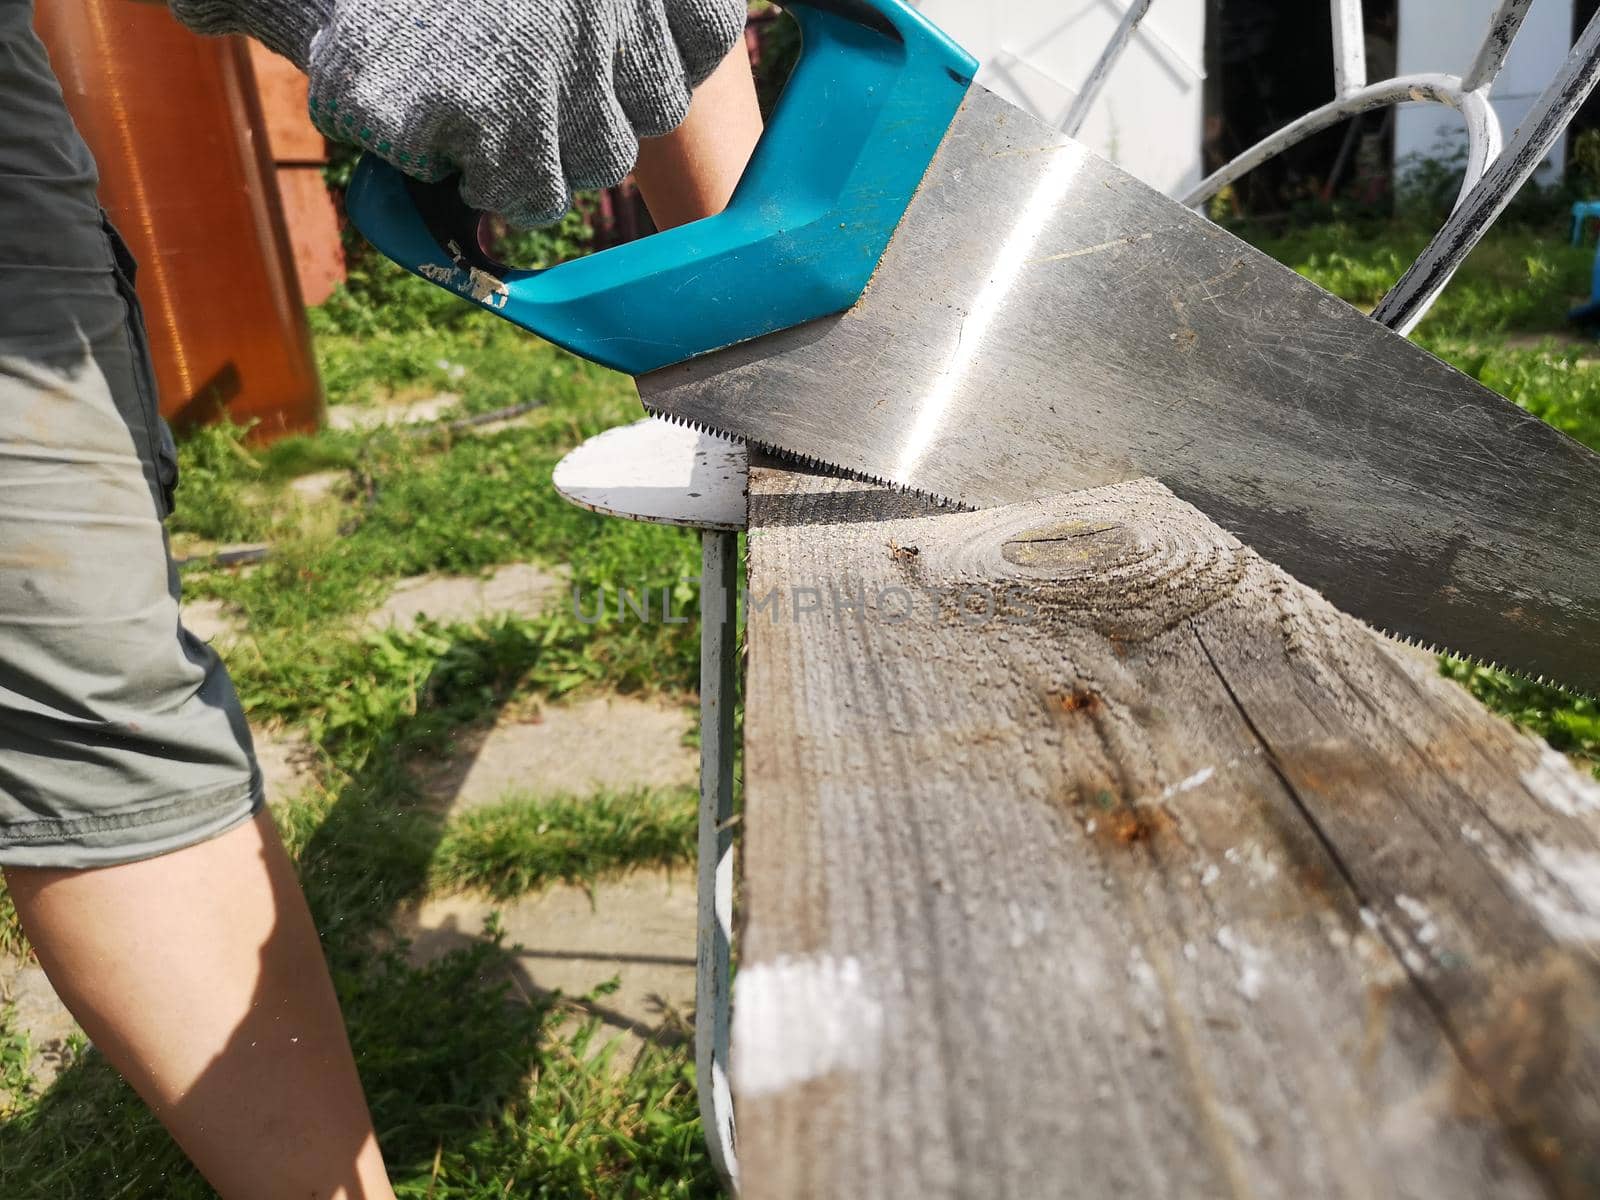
(922, 285)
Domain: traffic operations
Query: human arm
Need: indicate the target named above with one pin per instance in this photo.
(691, 172)
(529, 101)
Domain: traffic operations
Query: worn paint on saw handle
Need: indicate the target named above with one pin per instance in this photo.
(873, 92)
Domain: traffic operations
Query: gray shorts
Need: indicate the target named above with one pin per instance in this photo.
(120, 734)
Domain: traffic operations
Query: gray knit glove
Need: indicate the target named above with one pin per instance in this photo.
(530, 100)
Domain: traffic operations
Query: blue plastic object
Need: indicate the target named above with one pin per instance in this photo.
(1582, 210)
(1587, 314)
(863, 113)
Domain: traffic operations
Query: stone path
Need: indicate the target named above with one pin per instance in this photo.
(319, 485)
(639, 929)
(210, 621)
(429, 411)
(521, 589)
(348, 417)
(601, 743)
(288, 762)
(38, 1013)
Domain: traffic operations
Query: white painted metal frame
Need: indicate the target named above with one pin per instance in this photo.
(1483, 127)
(719, 657)
(1102, 68)
(1494, 172)
(1483, 203)
(668, 474)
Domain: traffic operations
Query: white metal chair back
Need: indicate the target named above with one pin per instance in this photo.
(1494, 170)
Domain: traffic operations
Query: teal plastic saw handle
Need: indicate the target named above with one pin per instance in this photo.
(873, 92)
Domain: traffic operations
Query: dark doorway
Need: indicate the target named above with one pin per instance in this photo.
(1267, 64)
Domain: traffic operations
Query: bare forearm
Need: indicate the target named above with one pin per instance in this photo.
(691, 172)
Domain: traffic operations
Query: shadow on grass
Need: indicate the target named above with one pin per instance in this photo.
(475, 1091)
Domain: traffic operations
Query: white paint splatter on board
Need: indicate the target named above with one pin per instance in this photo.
(802, 1018)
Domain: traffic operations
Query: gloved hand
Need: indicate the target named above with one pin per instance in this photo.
(530, 100)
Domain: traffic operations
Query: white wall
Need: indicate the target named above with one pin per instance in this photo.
(1443, 35)
(1036, 53)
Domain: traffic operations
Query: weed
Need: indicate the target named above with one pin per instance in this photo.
(217, 476)
(16, 1055)
(13, 941)
(1516, 279)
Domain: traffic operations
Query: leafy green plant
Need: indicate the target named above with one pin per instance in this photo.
(778, 48)
(16, 1053)
(216, 477)
(13, 941)
(1583, 164)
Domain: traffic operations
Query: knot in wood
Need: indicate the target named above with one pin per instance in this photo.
(1128, 560)
(1072, 548)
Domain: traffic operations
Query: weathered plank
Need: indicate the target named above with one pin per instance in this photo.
(1165, 879)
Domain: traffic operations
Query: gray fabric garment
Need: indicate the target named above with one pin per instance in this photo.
(530, 100)
(120, 734)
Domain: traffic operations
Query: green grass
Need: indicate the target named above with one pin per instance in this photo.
(1517, 279)
(525, 843)
(12, 940)
(16, 1080)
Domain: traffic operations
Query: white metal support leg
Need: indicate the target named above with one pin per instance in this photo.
(667, 474)
(719, 608)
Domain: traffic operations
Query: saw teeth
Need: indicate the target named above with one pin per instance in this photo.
(808, 460)
(1474, 660)
(1544, 681)
(946, 502)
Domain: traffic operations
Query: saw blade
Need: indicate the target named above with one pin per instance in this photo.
(1042, 322)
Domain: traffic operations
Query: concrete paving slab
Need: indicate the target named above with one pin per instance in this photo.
(38, 1013)
(211, 621)
(604, 742)
(639, 928)
(288, 762)
(318, 485)
(374, 416)
(519, 588)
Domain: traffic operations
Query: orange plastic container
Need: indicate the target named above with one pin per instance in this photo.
(174, 124)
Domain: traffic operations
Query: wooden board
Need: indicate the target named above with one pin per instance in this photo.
(1162, 879)
(283, 92)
